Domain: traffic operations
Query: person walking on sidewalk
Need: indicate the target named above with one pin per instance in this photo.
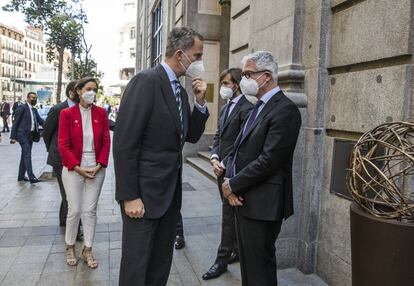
(154, 122)
(258, 179)
(25, 130)
(231, 118)
(50, 136)
(84, 145)
(5, 114)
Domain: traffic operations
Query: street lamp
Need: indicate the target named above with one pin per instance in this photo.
(14, 77)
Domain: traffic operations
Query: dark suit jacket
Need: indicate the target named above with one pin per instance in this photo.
(50, 134)
(227, 132)
(16, 104)
(264, 161)
(5, 109)
(147, 145)
(23, 123)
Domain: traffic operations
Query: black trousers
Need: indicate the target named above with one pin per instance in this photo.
(228, 242)
(257, 250)
(63, 210)
(147, 247)
(26, 159)
(5, 124)
(180, 226)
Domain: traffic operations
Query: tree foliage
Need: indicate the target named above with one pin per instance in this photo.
(61, 20)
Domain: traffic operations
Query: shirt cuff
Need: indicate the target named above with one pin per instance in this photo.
(201, 108)
(222, 165)
(214, 156)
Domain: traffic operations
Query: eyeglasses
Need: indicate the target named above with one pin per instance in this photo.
(248, 74)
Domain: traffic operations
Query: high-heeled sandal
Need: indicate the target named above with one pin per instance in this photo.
(71, 259)
(88, 257)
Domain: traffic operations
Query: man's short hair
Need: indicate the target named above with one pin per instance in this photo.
(31, 92)
(70, 87)
(181, 38)
(264, 61)
(235, 75)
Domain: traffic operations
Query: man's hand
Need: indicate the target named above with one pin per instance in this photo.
(86, 173)
(225, 188)
(234, 200)
(134, 208)
(199, 89)
(12, 141)
(218, 170)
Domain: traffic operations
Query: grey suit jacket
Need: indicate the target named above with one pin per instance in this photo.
(147, 148)
(228, 130)
(50, 134)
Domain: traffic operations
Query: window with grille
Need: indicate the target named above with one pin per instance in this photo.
(156, 55)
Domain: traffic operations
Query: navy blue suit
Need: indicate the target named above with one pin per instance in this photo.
(21, 132)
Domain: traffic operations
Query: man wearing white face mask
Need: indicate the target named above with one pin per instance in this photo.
(259, 170)
(154, 121)
(231, 117)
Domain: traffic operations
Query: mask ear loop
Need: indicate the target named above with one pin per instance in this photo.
(263, 84)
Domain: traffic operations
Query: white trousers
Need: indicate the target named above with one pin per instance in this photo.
(82, 195)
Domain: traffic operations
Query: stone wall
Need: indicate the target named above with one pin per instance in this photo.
(348, 65)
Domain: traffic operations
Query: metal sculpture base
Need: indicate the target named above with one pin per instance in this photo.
(382, 250)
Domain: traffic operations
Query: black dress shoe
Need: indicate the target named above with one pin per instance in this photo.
(79, 236)
(215, 271)
(26, 179)
(234, 257)
(179, 242)
(34, 181)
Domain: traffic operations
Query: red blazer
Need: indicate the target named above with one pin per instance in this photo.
(70, 140)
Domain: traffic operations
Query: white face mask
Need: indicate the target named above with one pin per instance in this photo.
(195, 69)
(250, 87)
(89, 96)
(226, 92)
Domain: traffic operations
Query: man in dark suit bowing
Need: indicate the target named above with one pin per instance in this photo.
(25, 130)
(50, 136)
(153, 122)
(231, 118)
(259, 170)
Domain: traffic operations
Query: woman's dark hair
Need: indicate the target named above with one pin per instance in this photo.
(83, 81)
(235, 75)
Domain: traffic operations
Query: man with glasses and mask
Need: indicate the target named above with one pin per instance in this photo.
(25, 130)
(231, 117)
(153, 123)
(258, 175)
(50, 136)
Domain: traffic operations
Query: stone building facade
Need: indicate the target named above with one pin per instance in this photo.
(348, 65)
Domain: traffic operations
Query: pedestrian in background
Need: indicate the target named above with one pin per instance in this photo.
(50, 136)
(5, 114)
(84, 145)
(231, 118)
(25, 130)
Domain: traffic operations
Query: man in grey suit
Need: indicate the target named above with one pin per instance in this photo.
(231, 118)
(259, 170)
(153, 122)
(50, 136)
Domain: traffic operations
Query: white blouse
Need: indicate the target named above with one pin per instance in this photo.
(86, 115)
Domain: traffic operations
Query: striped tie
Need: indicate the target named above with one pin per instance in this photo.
(177, 93)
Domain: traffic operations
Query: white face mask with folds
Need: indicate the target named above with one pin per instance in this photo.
(250, 87)
(195, 68)
(226, 92)
(89, 96)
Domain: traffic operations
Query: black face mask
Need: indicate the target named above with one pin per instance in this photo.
(33, 102)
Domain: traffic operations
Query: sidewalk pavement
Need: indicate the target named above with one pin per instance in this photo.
(32, 246)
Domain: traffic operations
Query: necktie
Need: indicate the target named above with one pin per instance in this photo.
(226, 116)
(177, 93)
(249, 124)
(252, 117)
(36, 127)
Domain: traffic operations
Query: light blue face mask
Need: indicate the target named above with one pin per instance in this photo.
(89, 96)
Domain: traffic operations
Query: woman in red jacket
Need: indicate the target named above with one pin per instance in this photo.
(84, 144)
